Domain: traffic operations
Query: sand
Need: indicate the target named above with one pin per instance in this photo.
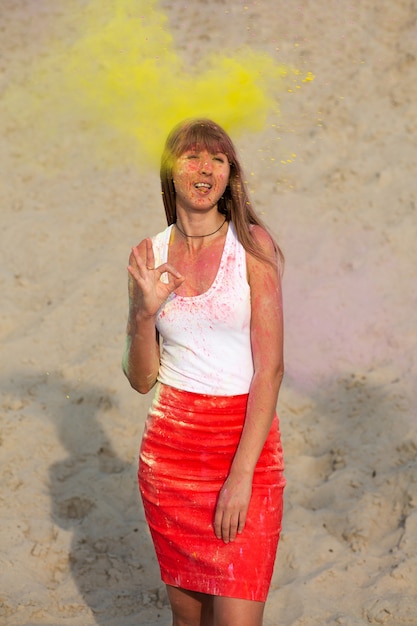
(74, 546)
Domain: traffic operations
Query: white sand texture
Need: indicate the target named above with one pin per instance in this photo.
(334, 176)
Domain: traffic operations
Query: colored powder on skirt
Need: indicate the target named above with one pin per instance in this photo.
(187, 450)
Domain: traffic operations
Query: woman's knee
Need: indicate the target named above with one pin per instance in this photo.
(237, 612)
(189, 608)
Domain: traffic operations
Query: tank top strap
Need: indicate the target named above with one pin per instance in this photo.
(235, 250)
(160, 243)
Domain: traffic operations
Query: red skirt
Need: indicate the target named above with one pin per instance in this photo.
(187, 450)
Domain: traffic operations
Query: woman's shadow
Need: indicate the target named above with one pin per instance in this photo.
(94, 494)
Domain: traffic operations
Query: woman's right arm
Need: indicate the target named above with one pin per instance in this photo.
(146, 295)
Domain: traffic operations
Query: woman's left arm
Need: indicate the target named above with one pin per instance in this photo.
(267, 351)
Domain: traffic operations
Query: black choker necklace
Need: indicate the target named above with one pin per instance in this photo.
(208, 234)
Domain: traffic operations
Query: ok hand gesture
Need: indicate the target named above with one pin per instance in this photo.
(148, 292)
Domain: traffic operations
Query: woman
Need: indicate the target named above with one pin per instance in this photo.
(205, 326)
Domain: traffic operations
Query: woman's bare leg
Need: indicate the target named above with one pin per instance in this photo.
(190, 608)
(236, 612)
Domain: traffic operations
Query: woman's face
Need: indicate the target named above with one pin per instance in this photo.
(200, 178)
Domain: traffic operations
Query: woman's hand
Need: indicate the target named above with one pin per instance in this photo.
(150, 291)
(232, 507)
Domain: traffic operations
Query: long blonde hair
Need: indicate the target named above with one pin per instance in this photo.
(235, 204)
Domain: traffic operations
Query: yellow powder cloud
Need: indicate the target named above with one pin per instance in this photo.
(124, 83)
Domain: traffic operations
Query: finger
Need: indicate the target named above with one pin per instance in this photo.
(150, 258)
(233, 526)
(242, 522)
(225, 529)
(143, 267)
(136, 273)
(228, 527)
(170, 269)
(133, 271)
(138, 261)
(175, 283)
(218, 523)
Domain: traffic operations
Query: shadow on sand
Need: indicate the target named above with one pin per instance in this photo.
(94, 494)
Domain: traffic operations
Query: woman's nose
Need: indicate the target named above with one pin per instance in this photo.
(206, 166)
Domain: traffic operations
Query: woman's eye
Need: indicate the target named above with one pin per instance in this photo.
(220, 159)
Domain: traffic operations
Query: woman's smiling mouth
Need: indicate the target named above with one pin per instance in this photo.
(204, 187)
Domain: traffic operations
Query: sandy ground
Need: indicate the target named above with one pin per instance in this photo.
(74, 546)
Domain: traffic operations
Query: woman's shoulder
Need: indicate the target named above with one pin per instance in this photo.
(266, 267)
(263, 239)
(257, 232)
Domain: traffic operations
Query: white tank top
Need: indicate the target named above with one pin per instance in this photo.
(205, 339)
